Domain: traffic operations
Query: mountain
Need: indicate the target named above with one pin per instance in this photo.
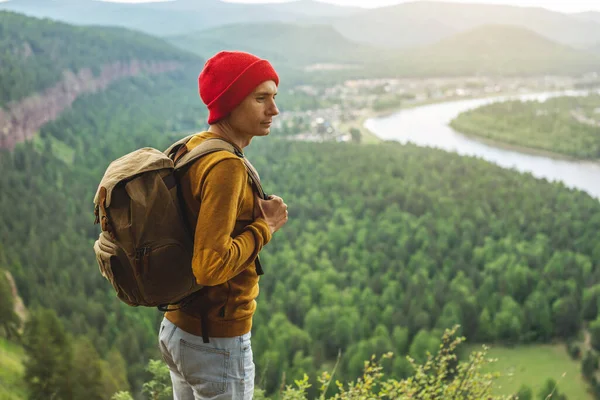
(173, 17)
(406, 25)
(282, 43)
(424, 22)
(588, 16)
(40, 50)
(46, 65)
(152, 18)
(488, 50)
(73, 99)
(387, 244)
(500, 50)
(595, 49)
(301, 53)
(306, 8)
(316, 9)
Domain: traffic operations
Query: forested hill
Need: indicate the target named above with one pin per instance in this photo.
(386, 244)
(418, 23)
(281, 43)
(507, 50)
(46, 65)
(564, 125)
(494, 50)
(489, 50)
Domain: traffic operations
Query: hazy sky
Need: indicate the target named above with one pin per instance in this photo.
(557, 5)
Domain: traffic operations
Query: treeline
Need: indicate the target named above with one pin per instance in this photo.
(387, 245)
(64, 367)
(586, 350)
(565, 125)
(35, 52)
(46, 241)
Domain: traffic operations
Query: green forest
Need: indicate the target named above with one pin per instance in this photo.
(567, 125)
(387, 244)
(35, 52)
(386, 247)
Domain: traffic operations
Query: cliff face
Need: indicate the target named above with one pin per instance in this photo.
(22, 119)
(20, 309)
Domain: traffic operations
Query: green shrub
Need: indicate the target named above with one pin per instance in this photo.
(435, 379)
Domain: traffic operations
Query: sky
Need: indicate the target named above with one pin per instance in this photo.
(556, 5)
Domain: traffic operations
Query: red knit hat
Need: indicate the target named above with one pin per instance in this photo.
(228, 77)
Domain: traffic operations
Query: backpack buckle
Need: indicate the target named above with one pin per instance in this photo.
(181, 151)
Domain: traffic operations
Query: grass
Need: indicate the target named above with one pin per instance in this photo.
(12, 386)
(366, 136)
(532, 365)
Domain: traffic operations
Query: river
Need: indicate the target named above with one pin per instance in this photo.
(428, 126)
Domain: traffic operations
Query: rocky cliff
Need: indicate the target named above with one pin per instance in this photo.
(20, 308)
(21, 120)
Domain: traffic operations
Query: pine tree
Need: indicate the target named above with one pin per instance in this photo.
(550, 391)
(48, 366)
(589, 364)
(115, 373)
(87, 372)
(525, 393)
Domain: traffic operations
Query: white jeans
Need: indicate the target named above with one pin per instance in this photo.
(220, 370)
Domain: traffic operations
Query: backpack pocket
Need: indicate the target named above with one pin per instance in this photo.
(166, 272)
(113, 264)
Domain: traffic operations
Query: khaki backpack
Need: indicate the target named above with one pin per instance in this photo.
(145, 247)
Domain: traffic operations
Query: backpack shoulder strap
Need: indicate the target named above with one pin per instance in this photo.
(254, 178)
(177, 145)
(212, 145)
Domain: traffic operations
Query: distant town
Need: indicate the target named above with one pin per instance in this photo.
(356, 100)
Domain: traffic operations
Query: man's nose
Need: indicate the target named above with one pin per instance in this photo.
(273, 110)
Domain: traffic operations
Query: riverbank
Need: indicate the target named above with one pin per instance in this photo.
(522, 149)
(428, 127)
(369, 136)
(548, 127)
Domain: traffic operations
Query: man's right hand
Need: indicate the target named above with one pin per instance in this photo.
(273, 210)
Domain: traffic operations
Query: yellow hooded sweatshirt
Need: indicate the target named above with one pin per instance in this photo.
(219, 202)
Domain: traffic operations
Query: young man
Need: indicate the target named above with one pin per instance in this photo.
(232, 224)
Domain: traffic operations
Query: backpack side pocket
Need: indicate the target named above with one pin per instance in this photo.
(113, 265)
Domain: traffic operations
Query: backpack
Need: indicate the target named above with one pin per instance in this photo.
(145, 247)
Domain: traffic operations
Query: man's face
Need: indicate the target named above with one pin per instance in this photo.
(253, 116)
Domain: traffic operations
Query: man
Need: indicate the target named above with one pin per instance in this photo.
(232, 224)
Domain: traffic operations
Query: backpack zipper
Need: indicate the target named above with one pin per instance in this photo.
(142, 254)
